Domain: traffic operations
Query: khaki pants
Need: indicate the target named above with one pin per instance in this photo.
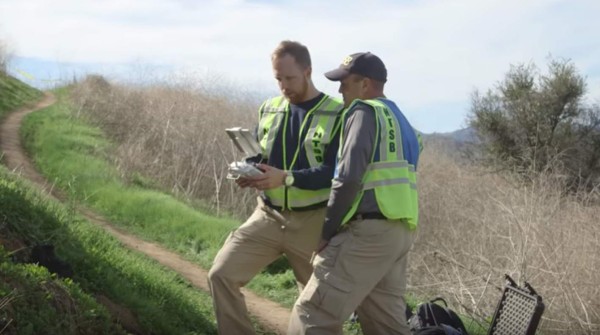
(364, 269)
(265, 236)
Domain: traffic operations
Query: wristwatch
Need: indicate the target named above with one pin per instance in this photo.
(289, 179)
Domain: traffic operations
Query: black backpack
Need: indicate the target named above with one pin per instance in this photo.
(431, 318)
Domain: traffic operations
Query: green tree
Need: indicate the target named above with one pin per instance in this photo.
(534, 122)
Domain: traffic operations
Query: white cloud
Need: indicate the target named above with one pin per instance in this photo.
(436, 51)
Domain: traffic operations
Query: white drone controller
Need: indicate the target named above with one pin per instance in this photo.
(242, 169)
(246, 143)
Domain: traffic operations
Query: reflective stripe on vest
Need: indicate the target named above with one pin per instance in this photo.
(392, 178)
(322, 128)
(377, 178)
(271, 114)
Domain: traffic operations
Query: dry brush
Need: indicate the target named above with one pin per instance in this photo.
(172, 137)
(477, 226)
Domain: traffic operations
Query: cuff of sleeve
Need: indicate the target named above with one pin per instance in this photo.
(329, 229)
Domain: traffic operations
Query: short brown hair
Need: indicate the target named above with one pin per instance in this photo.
(378, 85)
(294, 49)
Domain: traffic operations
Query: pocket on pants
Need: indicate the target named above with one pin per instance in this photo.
(328, 256)
(326, 297)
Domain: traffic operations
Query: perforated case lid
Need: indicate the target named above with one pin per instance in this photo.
(244, 141)
(518, 312)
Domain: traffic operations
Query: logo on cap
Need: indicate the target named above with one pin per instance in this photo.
(347, 60)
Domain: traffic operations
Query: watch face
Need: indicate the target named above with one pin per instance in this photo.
(289, 180)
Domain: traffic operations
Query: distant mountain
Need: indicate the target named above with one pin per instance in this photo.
(460, 144)
(465, 135)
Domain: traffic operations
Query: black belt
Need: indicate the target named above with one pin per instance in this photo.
(296, 209)
(368, 216)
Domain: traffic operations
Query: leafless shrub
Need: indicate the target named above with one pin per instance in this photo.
(477, 226)
(173, 136)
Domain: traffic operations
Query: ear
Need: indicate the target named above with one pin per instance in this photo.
(308, 72)
(365, 84)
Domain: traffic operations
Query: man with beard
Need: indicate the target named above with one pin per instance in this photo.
(298, 134)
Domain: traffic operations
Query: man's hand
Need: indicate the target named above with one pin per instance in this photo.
(271, 178)
(322, 244)
(244, 182)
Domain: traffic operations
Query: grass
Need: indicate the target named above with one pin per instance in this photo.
(75, 156)
(14, 94)
(32, 301)
(162, 301)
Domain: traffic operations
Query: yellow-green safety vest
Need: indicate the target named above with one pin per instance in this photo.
(273, 115)
(391, 177)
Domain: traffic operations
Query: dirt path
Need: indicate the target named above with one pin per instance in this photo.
(271, 315)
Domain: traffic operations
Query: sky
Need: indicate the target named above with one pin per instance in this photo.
(437, 52)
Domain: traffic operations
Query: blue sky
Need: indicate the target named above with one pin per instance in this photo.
(437, 51)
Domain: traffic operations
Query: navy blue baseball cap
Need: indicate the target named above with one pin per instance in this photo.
(365, 64)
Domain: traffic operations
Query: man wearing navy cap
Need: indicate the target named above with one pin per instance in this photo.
(372, 214)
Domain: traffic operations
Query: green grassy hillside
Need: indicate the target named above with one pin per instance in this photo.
(77, 158)
(160, 299)
(33, 301)
(14, 94)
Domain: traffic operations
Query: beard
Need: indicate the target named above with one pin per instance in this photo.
(299, 96)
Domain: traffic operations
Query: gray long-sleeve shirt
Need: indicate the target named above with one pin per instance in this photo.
(359, 134)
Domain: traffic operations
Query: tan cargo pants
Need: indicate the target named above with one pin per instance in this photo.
(364, 269)
(265, 236)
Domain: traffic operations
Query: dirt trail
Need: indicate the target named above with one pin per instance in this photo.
(271, 315)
